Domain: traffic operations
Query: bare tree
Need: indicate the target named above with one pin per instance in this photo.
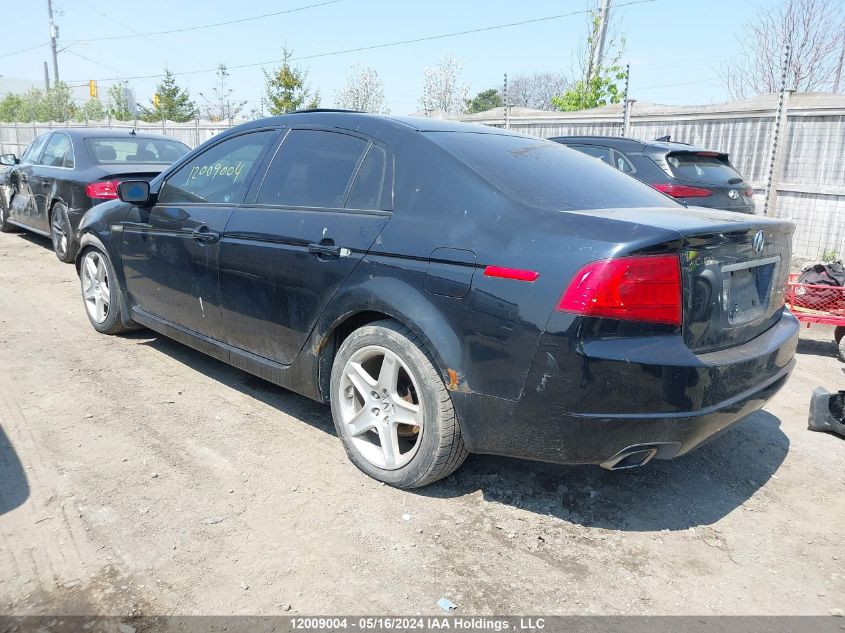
(364, 92)
(442, 88)
(536, 90)
(813, 28)
(220, 106)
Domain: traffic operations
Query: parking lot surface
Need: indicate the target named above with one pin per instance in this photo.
(140, 477)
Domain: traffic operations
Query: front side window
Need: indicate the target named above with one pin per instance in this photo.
(59, 152)
(312, 168)
(32, 152)
(221, 174)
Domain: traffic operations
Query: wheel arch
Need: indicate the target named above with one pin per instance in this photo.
(388, 298)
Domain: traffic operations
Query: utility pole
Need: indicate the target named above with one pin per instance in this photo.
(46, 77)
(600, 34)
(54, 34)
(839, 65)
(505, 102)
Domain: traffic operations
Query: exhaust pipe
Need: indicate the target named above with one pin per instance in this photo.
(631, 457)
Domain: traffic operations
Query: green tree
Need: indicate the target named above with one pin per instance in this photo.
(11, 108)
(173, 103)
(118, 103)
(600, 78)
(485, 100)
(287, 88)
(91, 110)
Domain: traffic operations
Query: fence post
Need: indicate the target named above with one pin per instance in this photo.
(17, 140)
(776, 157)
(196, 132)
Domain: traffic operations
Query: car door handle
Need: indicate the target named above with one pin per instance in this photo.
(326, 250)
(205, 235)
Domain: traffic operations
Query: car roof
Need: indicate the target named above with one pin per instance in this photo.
(114, 132)
(372, 123)
(632, 145)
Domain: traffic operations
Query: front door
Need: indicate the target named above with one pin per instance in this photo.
(320, 205)
(54, 164)
(170, 251)
(22, 207)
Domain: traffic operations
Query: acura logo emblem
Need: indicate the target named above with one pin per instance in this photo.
(733, 194)
(758, 242)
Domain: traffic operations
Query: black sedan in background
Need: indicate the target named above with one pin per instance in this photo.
(64, 173)
(694, 176)
(451, 288)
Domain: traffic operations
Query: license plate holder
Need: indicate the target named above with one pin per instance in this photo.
(747, 290)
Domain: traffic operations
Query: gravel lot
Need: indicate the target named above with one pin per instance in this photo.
(140, 477)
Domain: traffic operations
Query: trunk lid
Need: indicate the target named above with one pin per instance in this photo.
(734, 270)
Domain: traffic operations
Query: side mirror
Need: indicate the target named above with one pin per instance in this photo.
(10, 160)
(134, 192)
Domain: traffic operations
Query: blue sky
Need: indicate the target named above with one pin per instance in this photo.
(674, 47)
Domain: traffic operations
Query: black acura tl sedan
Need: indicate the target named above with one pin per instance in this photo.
(63, 173)
(451, 288)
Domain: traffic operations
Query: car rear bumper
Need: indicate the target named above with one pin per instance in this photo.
(605, 406)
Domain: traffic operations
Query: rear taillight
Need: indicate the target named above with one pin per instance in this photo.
(102, 190)
(646, 288)
(682, 191)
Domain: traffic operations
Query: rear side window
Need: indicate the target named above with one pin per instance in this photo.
(312, 168)
(59, 152)
(370, 189)
(546, 174)
(713, 169)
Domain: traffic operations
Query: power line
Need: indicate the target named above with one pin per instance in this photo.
(25, 50)
(359, 49)
(211, 26)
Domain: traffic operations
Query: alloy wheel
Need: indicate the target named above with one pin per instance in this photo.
(380, 407)
(95, 286)
(60, 233)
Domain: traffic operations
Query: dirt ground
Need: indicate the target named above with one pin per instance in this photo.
(140, 477)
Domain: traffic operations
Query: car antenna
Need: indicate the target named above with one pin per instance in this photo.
(666, 138)
(132, 132)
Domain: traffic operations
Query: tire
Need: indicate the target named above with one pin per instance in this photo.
(100, 293)
(413, 392)
(839, 333)
(5, 227)
(64, 243)
(842, 349)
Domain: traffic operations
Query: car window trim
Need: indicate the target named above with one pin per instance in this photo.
(192, 155)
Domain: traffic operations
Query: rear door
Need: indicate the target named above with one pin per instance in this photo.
(318, 208)
(170, 251)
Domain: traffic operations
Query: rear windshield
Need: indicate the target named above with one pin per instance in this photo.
(134, 151)
(548, 175)
(712, 169)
